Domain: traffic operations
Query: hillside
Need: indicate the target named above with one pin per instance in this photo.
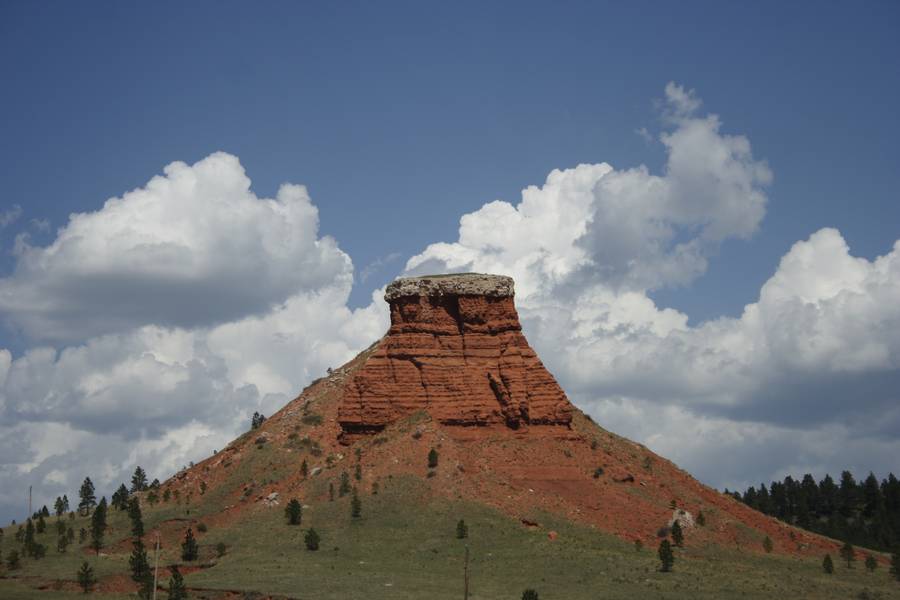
(552, 500)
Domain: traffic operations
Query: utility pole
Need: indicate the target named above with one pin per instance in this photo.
(156, 567)
(466, 576)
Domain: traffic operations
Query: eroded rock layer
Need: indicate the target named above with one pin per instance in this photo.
(456, 350)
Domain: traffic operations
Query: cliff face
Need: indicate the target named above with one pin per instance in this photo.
(455, 349)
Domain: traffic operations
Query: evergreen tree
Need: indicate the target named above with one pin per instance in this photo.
(177, 590)
(355, 505)
(895, 565)
(82, 535)
(677, 534)
(257, 420)
(137, 521)
(293, 512)
(140, 567)
(44, 511)
(529, 594)
(167, 495)
(119, 499)
(462, 530)
(311, 539)
(13, 561)
(139, 480)
(767, 544)
(330, 491)
(871, 563)
(86, 577)
(58, 507)
(666, 556)
(432, 459)
(28, 542)
(357, 472)
(62, 542)
(41, 525)
(98, 526)
(344, 488)
(70, 535)
(848, 554)
(65, 503)
(60, 527)
(701, 519)
(189, 549)
(304, 469)
(827, 565)
(88, 499)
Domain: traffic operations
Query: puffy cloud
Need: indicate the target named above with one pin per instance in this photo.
(193, 247)
(817, 354)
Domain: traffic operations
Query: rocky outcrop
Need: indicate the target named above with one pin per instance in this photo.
(456, 350)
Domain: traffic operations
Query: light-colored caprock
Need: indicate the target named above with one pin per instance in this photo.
(454, 284)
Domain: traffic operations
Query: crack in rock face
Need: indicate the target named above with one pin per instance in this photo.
(458, 337)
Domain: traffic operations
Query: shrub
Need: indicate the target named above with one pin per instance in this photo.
(189, 548)
(666, 556)
(344, 488)
(293, 512)
(767, 544)
(598, 472)
(462, 530)
(312, 419)
(432, 459)
(871, 563)
(638, 545)
(202, 528)
(895, 565)
(529, 594)
(311, 539)
(13, 561)
(355, 505)
(677, 534)
(86, 579)
(827, 564)
(221, 549)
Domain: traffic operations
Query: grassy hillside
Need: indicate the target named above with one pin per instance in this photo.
(404, 547)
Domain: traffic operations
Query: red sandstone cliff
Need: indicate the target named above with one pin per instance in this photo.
(456, 350)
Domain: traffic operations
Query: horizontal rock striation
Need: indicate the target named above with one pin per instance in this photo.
(455, 349)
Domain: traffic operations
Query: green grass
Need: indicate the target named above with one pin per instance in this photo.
(404, 547)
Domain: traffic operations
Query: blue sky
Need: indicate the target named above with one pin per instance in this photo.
(400, 118)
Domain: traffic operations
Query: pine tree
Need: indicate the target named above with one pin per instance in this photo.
(666, 556)
(767, 544)
(44, 511)
(311, 539)
(871, 563)
(344, 488)
(82, 535)
(462, 530)
(304, 469)
(28, 542)
(86, 577)
(293, 512)
(895, 565)
(65, 503)
(41, 525)
(177, 590)
(529, 594)
(98, 526)
(58, 507)
(848, 554)
(701, 519)
(137, 521)
(119, 499)
(827, 564)
(60, 527)
(13, 561)
(357, 472)
(88, 499)
(167, 495)
(355, 505)
(189, 549)
(677, 534)
(140, 567)
(70, 535)
(62, 542)
(330, 491)
(139, 480)
(432, 459)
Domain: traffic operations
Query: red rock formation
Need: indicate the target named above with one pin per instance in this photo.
(455, 349)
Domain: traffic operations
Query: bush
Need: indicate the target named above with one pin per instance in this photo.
(311, 539)
(827, 564)
(638, 545)
(221, 549)
(462, 530)
(432, 459)
(871, 563)
(767, 544)
(293, 512)
(529, 594)
(202, 528)
(13, 561)
(701, 520)
(598, 472)
(666, 556)
(677, 534)
(312, 419)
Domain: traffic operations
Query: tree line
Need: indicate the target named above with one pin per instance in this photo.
(865, 513)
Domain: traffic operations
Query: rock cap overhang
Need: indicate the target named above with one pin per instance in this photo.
(453, 284)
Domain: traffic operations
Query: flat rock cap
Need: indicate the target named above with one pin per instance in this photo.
(453, 284)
